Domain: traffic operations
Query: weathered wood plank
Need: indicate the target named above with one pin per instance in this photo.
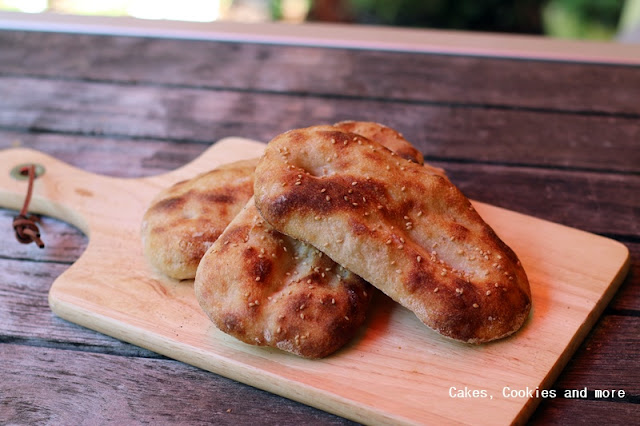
(63, 243)
(204, 116)
(52, 386)
(562, 412)
(608, 355)
(353, 73)
(605, 361)
(119, 157)
(26, 318)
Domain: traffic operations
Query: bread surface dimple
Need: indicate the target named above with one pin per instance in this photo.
(184, 220)
(268, 289)
(408, 231)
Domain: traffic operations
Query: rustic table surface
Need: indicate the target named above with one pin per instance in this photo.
(555, 140)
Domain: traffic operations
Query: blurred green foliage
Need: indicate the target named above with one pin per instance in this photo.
(594, 19)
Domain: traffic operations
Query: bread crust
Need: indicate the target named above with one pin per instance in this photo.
(184, 220)
(268, 289)
(409, 232)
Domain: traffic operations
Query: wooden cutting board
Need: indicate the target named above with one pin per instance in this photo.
(395, 371)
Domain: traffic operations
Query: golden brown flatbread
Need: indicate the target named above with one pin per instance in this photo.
(184, 220)
(267, 289)
(409, 232)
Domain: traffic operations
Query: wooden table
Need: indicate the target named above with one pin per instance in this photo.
(552, 139)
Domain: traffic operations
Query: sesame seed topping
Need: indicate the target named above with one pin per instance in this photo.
(499, 257)
(490, 318)
(398, 271)
(420, 213)
(355, 204)
(279, 330)
(327, 198)
(388, 242)
(257, 278)
(301, 315)
(350, 191)
(298, 182)
(435, 290)
(380, 207)
(459, 290)
(419, 259)
(333, 301)
(403, 188)
(475, 305)
(338, 241)
(354, 183)
(317, 218)
(443, 273)
(488, 293)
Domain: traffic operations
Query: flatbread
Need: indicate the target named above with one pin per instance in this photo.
(184, 220)
(409, 232)
(267, 289)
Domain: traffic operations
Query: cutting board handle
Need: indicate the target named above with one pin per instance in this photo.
(89, 201)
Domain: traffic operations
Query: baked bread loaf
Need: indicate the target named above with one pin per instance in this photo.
(407, 231)
(184, 220)
(268, 289)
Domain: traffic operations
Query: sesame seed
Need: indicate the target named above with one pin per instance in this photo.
(355, 204)
(420, 213)
(346, 198)
(490, 318)
(338, 241)
(402, 240)
(317, 218)
(388, 167)
(488, 293)
(403, 188)
(298, 183)
(346, 317)
(302, 316)
(393, 262)
(350, 191)
(400, 246)
(496, 285)
(257, 278)
(475, 305)
(388, 242)
(333, 141)
(256, 302)
(333, 301)
(499, 257)
(443, 273)
(251, 304)
(283, 248)
(309, 281)
(403, 168)
(398, 271)
(279, 330)
(419, 259)
(345, 142)
(354, 183)
(459, 290)
(406, 218)
(380, 207)
(435, 290)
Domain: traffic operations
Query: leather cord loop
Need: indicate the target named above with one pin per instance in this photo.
(24, 225)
